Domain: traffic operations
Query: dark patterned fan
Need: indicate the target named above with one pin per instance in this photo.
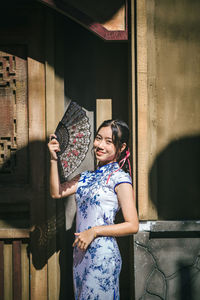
(73, 134)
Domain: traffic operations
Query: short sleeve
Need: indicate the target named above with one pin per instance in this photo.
(121, 177)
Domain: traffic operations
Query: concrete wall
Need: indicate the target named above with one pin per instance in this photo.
(167, 260)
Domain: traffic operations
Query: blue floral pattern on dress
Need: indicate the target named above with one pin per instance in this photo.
(96, 270)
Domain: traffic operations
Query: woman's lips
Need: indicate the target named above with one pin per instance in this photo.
(99, 152)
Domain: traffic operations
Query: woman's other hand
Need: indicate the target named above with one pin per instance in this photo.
(53, 146)
(84, 238)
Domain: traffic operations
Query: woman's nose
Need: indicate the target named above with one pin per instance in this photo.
(101, 144)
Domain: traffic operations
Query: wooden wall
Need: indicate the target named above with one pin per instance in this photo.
(168, 109)
(24, 190)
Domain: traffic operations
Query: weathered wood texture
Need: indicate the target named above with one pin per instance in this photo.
(17, 274)
(14, 268)
(13, 127)
(25, 272)
(146, 209)
(103, 110)
(133, 100)
(8, 271)
(23, 194)
(54, 111)
(2, 270)
(168, 109)
(16, 233)
(37, 138)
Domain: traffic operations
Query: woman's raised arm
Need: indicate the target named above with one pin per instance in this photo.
(58, 190)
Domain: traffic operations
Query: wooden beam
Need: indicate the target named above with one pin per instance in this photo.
(54, 59)
(147, 210)
(25, 272)
(1, 270)
(13, 233)
(17, 274)
(133, 104)
(103, 110)
(86, 21)
(37, 139)
(8, 270)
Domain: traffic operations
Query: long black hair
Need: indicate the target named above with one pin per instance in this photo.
(120, 135)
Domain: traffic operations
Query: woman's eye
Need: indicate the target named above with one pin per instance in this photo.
(109, 142)
(97, 138)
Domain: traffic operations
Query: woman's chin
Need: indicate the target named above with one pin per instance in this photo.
(102, 162)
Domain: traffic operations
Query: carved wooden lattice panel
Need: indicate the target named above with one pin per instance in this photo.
(13, 115)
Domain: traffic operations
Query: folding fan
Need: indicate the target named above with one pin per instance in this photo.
(73, 134)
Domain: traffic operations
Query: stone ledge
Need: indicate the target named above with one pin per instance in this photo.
(170, 226)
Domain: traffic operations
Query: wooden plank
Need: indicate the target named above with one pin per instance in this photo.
(8, 272)
(54, 92)
(1, 270)
(13, 233)
(133, 104)
(38, 282)
(146, 208)
(17, 274)
(103, 110)
(25, 272)
(37, 146)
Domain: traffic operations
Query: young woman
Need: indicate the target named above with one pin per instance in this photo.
(99, 195)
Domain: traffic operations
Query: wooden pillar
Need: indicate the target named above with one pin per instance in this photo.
(37, 136)
(103, 110)
(54, 67)
(1, 270)
(8, 271)
(147, 209)
(133, 104)
(17, 272)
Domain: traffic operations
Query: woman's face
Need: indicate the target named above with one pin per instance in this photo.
(104, 148)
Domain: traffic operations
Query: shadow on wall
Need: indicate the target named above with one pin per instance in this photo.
(25, 170)
(174, 180)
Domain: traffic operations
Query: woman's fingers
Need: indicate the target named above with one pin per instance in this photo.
(53, 144)
(83, 239)
(80, 243)
(52, 136)
(74, 243)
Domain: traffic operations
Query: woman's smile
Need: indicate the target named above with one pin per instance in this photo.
(99, 152)
(104, 148)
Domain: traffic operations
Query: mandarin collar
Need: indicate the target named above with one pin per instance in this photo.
(112, 164)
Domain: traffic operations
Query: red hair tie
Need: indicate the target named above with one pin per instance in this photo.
(121, 164)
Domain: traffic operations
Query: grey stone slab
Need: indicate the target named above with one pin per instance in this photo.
(142, 238)
(150, 297)
(184, 284)
(179, 226)
(170, 226)
(144, 263)
(170, 253)
(167, 266)
(157, 284)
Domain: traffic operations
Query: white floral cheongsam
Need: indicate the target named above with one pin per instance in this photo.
(96, 270)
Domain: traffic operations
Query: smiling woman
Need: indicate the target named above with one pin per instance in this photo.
(104, 148)
(99, 195)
